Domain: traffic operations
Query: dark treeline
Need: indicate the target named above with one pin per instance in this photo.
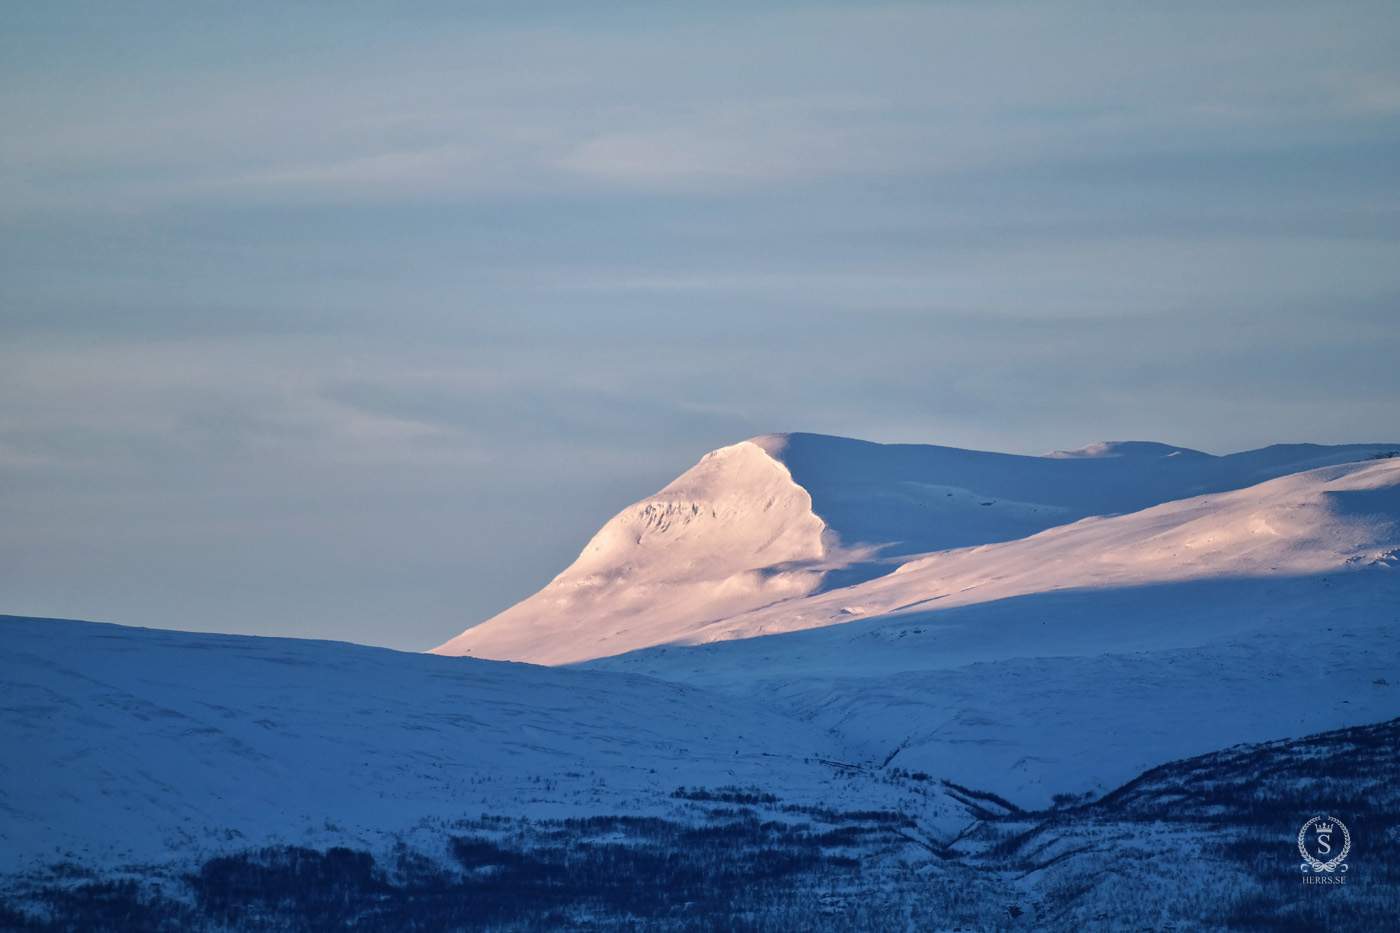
(555, 875)
(1211, 839)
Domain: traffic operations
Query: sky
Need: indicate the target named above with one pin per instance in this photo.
(355, 320)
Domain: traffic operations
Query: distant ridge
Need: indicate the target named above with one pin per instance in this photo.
(1140, 449)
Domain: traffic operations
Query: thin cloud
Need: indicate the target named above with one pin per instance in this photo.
(445, 286)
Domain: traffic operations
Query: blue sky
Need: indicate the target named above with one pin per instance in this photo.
(355, 320)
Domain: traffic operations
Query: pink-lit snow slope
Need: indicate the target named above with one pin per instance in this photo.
(788, 532)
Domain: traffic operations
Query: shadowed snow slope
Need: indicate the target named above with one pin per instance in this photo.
(789, 531)
(1074, 690)
(126, 745)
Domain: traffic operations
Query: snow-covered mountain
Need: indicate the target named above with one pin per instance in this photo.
(1043, 625)
(814, 684)
(738, 545)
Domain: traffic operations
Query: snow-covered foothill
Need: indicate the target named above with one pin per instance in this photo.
(126, 746)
